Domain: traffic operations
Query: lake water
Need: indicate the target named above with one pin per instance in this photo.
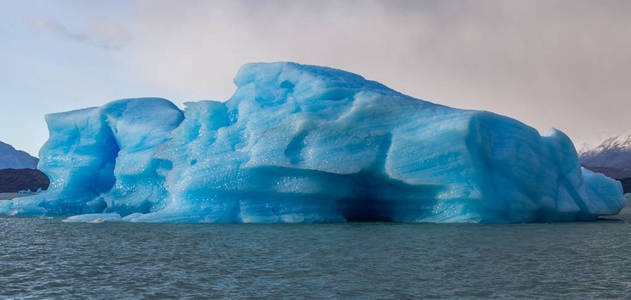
(43, 257)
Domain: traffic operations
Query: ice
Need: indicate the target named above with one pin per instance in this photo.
(299, 143)
(93, 218)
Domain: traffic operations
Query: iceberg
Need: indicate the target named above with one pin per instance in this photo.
(299, 143)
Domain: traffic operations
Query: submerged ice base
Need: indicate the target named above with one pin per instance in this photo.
(299, 143)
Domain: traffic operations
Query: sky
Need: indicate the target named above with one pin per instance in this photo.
(563, 64)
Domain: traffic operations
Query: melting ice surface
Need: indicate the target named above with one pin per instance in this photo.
(299, 143)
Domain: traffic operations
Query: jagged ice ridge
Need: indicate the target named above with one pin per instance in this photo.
(299, 143)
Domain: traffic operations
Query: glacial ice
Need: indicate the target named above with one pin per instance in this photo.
(299, 143)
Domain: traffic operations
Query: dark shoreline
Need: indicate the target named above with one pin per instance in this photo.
(15, 180)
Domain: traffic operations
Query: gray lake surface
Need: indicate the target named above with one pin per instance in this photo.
(9, 196)
(46, 258)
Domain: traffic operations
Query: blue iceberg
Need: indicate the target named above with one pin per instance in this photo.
(299, 143)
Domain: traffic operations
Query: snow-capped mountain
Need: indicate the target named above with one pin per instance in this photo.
(10, 158)
(612, 157)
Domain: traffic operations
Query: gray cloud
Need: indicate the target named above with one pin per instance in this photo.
(104, 35)
(553, 63)
(58, 29)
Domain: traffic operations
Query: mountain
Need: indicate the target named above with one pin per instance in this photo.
(10, 158)
(612, 157)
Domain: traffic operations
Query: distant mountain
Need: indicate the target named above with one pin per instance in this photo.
(612, 157)
(10, 158)
(18, 171)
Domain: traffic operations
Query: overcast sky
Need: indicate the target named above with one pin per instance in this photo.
(562, 64)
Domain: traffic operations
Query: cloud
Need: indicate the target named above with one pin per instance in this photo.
(563, 64)
(57, 29)
(101, 34)
(556, 63)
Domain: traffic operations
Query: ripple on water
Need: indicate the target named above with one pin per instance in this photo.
(43, 257)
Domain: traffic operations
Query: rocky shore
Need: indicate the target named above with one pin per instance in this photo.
(15, 180)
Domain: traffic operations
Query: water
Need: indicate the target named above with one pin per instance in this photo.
(45, 258)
